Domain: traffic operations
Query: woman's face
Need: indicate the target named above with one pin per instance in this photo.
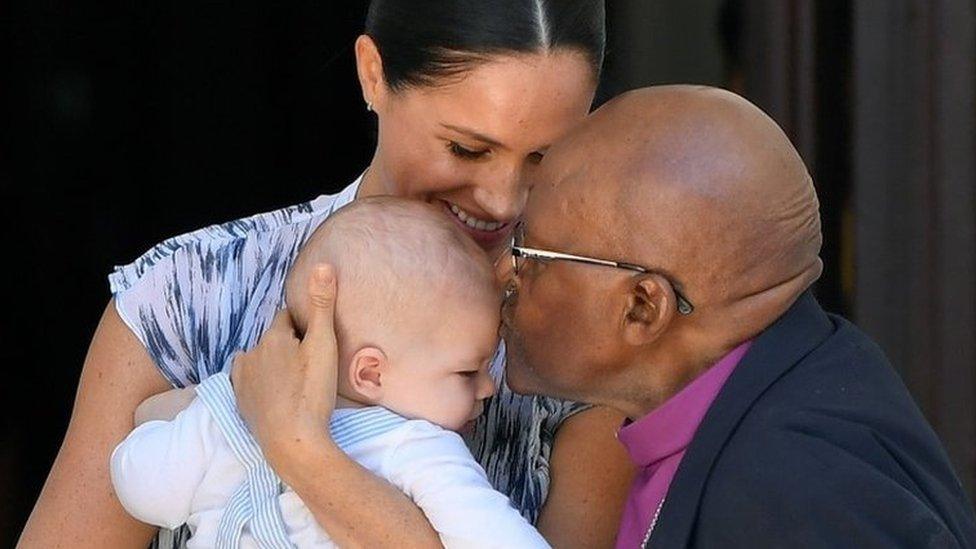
(469, 146)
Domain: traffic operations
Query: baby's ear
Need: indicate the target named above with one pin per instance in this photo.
(366, 373)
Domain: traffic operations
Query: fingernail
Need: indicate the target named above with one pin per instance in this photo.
(323, 274)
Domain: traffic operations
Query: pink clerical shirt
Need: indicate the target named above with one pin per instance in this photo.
(657, 442)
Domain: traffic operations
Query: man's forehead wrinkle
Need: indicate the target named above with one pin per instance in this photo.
(705, 182)
(570, 196)
(695, 181)
(572, 221)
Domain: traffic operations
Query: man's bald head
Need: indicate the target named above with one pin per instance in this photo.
(701, 183)
(703, 188)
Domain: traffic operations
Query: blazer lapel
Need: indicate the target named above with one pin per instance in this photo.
(804, 327)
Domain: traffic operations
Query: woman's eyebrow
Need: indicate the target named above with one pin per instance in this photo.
(471, 133)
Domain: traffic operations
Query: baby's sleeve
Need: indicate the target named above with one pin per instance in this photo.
(158, 468)
(435, 469)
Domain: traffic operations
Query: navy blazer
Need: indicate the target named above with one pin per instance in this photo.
(814, 441)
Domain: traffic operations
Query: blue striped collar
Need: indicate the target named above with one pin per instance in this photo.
(254, 504)
(350, 426)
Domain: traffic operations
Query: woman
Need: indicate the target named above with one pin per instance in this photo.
(468, 96)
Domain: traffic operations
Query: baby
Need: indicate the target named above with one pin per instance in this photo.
(417, 325)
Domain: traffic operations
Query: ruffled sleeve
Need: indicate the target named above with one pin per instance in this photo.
(196, 299)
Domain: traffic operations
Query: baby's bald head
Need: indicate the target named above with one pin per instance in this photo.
(398, 263)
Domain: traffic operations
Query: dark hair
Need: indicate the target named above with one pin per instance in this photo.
(422, 42)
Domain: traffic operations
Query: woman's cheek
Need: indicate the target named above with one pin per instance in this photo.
(428, 176)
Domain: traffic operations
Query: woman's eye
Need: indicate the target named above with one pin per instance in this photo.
(469, 373)
(536, 157)
(463, 152)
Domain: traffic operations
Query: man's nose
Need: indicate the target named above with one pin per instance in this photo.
(504, 273)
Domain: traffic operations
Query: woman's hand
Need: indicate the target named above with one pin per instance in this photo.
(286, 387)
(286, 391)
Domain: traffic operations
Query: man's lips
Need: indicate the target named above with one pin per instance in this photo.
(506, 312)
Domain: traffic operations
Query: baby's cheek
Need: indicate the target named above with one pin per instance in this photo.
(453, 409)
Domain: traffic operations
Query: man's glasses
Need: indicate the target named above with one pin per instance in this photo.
(521, 253)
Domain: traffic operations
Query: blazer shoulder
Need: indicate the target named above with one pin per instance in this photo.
(805, 483)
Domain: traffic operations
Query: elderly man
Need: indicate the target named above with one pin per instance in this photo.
(662, 269)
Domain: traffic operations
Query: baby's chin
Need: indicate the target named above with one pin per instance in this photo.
(461, 427)
(467, 427)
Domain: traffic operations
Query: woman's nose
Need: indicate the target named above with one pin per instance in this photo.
(504, 193)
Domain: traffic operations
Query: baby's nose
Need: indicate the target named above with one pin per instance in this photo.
(486, 385)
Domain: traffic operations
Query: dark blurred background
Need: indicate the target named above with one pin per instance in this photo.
(125, 124)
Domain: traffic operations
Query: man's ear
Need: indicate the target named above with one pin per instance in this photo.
(366, 372)
(369, 67)
(651, 306)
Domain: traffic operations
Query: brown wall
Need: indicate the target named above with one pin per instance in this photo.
(879, 99)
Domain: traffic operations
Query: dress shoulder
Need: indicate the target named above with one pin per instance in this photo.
(125, 276)
(196, 299)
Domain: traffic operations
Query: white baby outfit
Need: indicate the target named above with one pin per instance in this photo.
(204, 469)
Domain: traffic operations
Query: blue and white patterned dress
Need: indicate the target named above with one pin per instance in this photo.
(196, 299)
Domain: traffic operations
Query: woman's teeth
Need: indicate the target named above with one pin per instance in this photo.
(474, 222)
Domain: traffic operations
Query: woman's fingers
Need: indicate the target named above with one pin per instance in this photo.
(286, 387)
(320, 342)
(281, 324)
(273, 341)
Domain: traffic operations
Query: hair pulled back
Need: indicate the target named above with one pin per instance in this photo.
(427, 42)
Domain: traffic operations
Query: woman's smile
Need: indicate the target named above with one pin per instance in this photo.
(487, 233)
